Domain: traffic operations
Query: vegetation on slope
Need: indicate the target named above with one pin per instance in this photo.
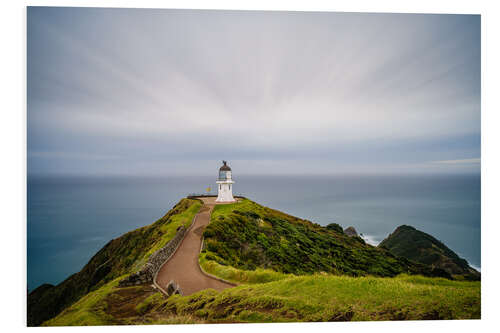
(88, 310)
(408, 242)
(247, 236)
(318, 297)
(123, 255)
(333, 298)
(238, 276)
(288, 269)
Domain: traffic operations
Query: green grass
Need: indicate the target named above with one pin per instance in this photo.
(318, 297)
(322, 297)
(224, 210)
(149, 303)
(88, 311)
(238, 276)
(168, 231)
(405, 297)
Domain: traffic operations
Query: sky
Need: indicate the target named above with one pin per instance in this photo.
(159, 92)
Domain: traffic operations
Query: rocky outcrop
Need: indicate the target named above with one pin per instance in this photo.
(147, 272)
(416, 245)
(173, 288)
(350, 231)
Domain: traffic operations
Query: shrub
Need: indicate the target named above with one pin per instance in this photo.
(335, 227)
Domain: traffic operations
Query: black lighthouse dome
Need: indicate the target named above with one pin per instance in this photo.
(225, 167)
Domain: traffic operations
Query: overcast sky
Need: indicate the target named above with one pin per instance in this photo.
(136, 91)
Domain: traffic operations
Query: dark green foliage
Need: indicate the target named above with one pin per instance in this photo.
(250, 236)
(335, 227)
(408, 242)
(116, 258)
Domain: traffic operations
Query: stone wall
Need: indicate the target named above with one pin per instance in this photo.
(155, 261)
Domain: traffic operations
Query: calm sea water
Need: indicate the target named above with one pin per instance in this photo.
(69, 219)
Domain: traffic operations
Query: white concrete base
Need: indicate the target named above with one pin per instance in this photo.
(225, 191)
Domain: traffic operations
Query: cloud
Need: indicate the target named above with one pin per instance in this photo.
(463, 161)
(139, 83)
(70, 155)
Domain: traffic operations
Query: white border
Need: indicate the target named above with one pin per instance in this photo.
(13, 149)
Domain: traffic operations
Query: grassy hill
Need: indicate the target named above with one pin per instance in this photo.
(408, 242)
(120, 256)
(288, 269)
(247, 236)
(317, 297)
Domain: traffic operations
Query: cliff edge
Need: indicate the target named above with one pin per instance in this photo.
(418, 246)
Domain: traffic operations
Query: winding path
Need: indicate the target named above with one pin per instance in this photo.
(183, 266)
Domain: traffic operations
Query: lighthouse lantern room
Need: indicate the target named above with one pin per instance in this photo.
(225, 184)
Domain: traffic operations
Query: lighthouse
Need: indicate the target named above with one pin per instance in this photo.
(225, 184)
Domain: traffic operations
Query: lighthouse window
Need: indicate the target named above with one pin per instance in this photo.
(220, 187)
(229, 186)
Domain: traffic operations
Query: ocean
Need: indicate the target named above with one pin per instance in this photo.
(71, 218)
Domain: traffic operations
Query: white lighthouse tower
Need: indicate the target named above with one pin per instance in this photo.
(225, 184)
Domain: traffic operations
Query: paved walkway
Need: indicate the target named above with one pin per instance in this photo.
(183, 266)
